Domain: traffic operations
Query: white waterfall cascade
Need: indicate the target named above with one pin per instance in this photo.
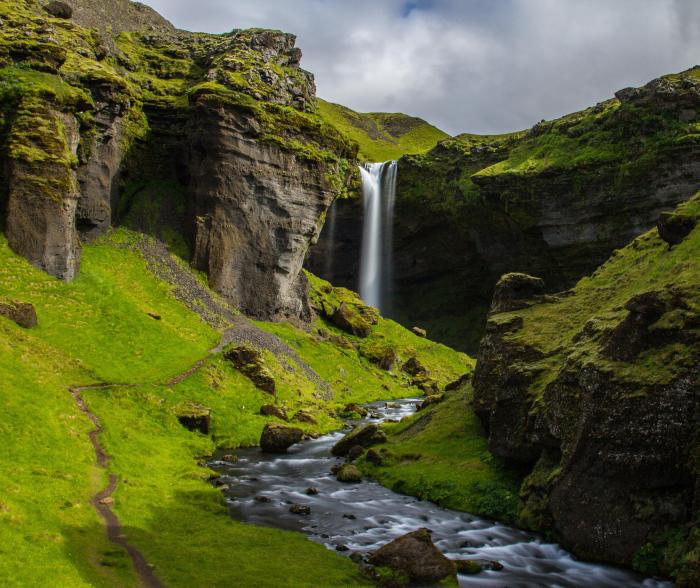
(379, 194)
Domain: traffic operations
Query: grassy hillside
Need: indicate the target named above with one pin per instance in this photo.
(382, 136)
(119, 323)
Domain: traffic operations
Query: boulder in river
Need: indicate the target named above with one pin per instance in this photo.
(300, 509)
(278, 438)
(362, 436)
(415, 556)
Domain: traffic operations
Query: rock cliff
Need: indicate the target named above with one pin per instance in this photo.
(223, 127)
(554, 201)
(595, 392)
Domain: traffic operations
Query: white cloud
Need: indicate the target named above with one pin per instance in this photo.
(469, 65)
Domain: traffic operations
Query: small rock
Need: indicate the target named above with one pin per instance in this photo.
(300, 509)
(467, 566)
(354, 409)
(351, 321)
(431, 400)
(274, 411)
(250, 363)
(674, 227)
(229, 458)
(261, 499)
(194, 417)
(21, 313)
(312, 491)
(277, 438)
(304, 416)
(109, 501)
(342, 548)
(350, 516)
(349, 474)
(336, 468)
(392, 405)
(420, 332)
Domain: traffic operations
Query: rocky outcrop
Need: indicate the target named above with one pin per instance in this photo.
(415, 555)
(250, 362)
(595, 393)
(233, 163)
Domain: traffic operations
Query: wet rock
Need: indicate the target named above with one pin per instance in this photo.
(21, 313)
(415, 555)
(262, 499)
(355, 452)
(349, 474)
(351, 321)
(250, 362)
(342, 547)
(362, 436)
(278, 438)
(312, 491)
(673, 227)
(300, 509)
(392, 405)
(420, 332)
(304, 416)
(431, 400)
(350, 516)
(515, 291)
(194, 417)
(59, 9)
(468, 566)
(230, 458)
(274, 411)
(459, 382)
(336, 468)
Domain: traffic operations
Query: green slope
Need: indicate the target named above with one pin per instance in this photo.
(382, 136)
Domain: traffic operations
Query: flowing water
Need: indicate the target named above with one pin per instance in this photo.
(379, 194)
(362, 517)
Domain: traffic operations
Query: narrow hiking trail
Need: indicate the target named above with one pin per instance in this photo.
(243, 331)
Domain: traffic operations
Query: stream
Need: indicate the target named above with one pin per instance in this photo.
(363, 517)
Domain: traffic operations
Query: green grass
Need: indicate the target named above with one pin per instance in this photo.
(440, 454)
(382, 136)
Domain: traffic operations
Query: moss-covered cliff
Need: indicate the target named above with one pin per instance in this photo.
(554, 201)
(596, 390)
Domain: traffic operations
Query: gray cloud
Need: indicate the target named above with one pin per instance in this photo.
(469, 65)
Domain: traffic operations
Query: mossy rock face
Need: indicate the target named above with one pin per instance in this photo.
(22, 313)
(380, 353)
(351, 321)
(194, 417)
(250, 362)
(673, 227)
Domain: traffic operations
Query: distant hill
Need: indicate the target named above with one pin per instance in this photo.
(383, 136)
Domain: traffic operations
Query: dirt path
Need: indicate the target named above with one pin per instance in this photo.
(102, 501)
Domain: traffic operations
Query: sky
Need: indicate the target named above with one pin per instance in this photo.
(479, 66)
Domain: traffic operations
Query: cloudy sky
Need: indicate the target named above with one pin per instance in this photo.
(481, 66)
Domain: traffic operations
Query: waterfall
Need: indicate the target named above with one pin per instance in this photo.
(376, 262)
(330, 231)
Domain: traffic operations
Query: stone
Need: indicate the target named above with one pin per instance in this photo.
(364, 436)
(515, 291)
(304, 416)
(349, 474)
(467, 566)
(274, 411)
(300, 509)
(413, 367)
(351, 321)
(419, 332)
(415, 556)
(194, 417)
(21, 313)
(673, 227)
(276, 438)
(59, 9)
(250, 362)
(312, 491)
